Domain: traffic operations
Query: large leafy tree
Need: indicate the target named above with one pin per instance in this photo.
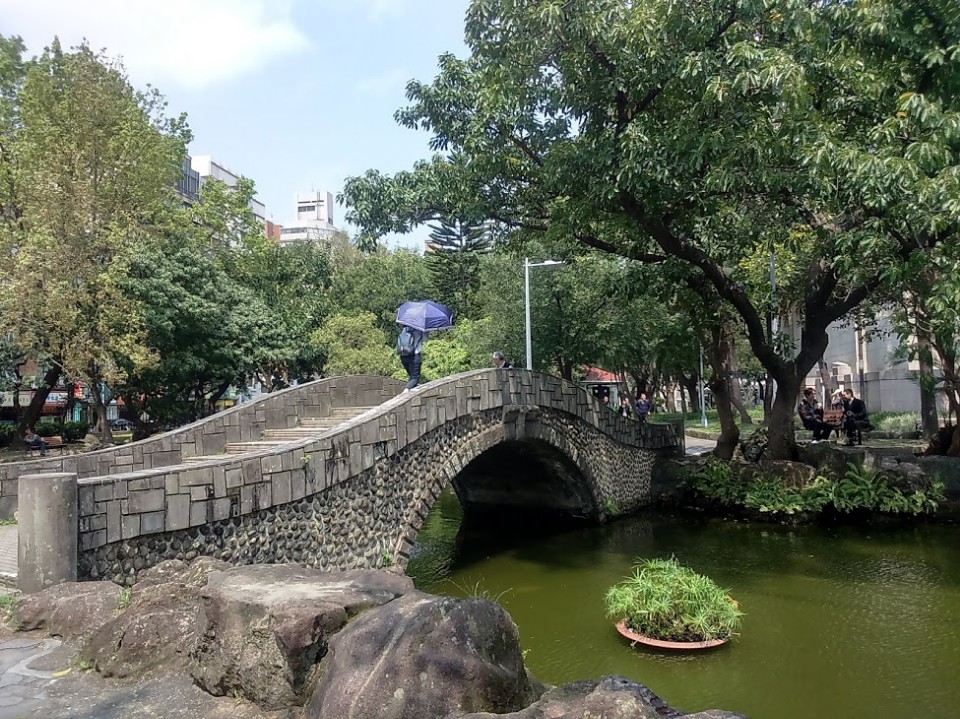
(88, 165)
(702, 133)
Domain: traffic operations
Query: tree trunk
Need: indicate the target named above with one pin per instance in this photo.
(30, 417)
(928, 397)
(670, 397)
(719, 353)
(782, 442)
(827, 381)
(736, 399)
(100, 410)
(692, 385)
(768, 399)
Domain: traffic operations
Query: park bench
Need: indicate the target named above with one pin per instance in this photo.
(51, 442)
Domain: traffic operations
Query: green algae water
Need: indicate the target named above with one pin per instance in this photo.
(846, 622)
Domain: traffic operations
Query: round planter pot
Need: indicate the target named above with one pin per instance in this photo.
(661, 644)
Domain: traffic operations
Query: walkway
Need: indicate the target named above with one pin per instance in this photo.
(8, 554)
(696, 446)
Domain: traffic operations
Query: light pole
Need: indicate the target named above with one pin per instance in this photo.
(527, 264)
(703, 399)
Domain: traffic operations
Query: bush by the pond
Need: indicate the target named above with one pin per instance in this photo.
(859, 489)
(48, 429)
(663, 600)
(75, 431)
(7, 432)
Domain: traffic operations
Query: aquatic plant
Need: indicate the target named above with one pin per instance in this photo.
(664, 600)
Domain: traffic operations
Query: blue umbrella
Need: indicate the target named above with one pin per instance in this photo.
(425, 316)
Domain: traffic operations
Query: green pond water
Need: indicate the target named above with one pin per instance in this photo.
(845, 622)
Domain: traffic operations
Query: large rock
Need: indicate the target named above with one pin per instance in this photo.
(795, 475)
(158, 627)
(611, 698)
(71, 610)
(425, 657)
(261, 630)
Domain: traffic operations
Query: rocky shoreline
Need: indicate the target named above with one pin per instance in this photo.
(294, 642)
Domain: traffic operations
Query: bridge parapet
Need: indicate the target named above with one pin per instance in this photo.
(245, 422)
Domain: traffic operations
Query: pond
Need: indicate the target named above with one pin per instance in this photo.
(852, 622)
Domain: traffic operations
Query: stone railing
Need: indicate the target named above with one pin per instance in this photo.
(244, 422)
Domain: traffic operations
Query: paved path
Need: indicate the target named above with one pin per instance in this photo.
(8, 554)
(696, 446)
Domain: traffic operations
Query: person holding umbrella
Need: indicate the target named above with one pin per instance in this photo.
(417, 319)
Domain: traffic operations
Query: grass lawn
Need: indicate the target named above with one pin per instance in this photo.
(691, 421)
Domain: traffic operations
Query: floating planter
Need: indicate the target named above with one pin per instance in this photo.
(667, 606)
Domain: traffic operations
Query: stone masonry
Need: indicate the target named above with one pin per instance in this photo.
(357, 496)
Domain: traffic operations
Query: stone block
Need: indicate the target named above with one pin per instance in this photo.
(200, 512)
(150, 500)
(298, 484)
(151, 522)
(130, 526)
(142, 483)
(270, 464)
(219, 482)
(263, 496)
(171, 484)
(198, 494)
(282, 491)
(233, 477)
(114, 530)
(92, 540)
(87, 498)
(247, 498)
(178, 512)
(252, 472)
(221, 509)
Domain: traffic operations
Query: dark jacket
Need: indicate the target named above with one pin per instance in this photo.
(857, 409)
(809, 412)
(642, 407)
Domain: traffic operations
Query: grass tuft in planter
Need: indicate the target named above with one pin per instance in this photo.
(663, 600)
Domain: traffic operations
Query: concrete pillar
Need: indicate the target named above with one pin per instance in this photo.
(48, 529)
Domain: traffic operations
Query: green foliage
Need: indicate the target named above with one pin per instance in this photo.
(717, 482)
(663, 600)
(124, 598)
(7, 433)
(354, 344)
(75, 431)
(859, 490)
(454, 263)
(899, 423)
(48, 428)
(610, 506)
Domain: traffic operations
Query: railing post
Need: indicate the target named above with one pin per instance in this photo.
(47, 527)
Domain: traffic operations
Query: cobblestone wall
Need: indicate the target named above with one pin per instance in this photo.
(358, 497)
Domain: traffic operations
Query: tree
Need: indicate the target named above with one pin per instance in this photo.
(454, 262)
(705, 132)
(89, 164)
(353, 344)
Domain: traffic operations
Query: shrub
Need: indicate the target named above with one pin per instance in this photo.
(768, 494)
(717, 482)
(48, 428)
(7, 433)
(664, 600)
(75, 431)
(899, 423)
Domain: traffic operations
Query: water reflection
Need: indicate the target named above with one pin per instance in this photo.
(841, 622)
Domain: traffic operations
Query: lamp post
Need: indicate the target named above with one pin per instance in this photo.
(527, 264)
(703, 400)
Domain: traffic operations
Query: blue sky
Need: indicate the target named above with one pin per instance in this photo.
(295, 94)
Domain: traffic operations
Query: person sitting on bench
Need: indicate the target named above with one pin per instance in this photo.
(855, 420)
(812, 416)
(34, 441)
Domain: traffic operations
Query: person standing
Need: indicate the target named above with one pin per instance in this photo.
(642, 407)
(500, 362)
(410, 347)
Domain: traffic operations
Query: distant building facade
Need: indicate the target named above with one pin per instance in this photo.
(208, 168)
(313, 221)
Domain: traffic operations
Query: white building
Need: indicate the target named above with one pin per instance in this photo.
(208, 168)
(313, 221)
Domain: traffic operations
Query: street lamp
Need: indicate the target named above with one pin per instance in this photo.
(527, 264)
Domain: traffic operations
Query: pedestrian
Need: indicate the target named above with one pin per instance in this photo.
(500, 362)
(34, 441)
(624, 407)
(642, 407)
(409, 348)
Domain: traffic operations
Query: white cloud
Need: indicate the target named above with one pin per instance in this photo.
(187, 43)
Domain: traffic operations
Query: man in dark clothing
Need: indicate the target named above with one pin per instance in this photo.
(409, 347)
(812, 416)
(500, 362)
(33, 441)
(642, 407)
(855, 419)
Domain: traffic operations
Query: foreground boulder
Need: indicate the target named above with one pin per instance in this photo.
(261, 630)
(426, 657)
(158, 627)
(611, 698)
(71, 610)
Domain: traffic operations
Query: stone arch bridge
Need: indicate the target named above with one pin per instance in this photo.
(340, 473)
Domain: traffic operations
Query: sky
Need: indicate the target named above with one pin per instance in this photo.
(295, 94)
